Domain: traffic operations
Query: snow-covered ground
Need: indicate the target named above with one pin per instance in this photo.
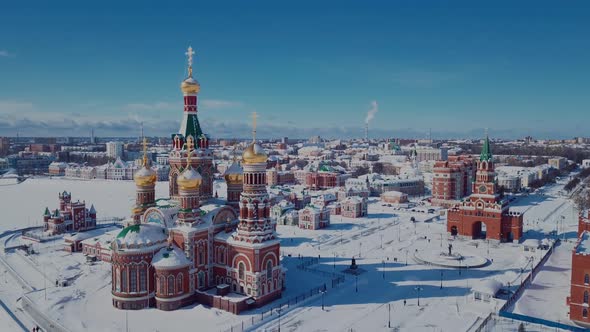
(383, 244)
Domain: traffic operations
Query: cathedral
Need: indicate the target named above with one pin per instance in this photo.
(485, 214)
(194, 248)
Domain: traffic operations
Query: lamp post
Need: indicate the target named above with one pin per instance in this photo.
(279, 312)
(334, 260)
(406, 257)
(441, 278)
(389, 315)
(360, 246)
(323, 291)
(418, 289)
(383, 262)
(356, 284)
(440, 240)
(381, 241)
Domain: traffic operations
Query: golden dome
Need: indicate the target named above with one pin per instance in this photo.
(190, 86)
(189, 179)
(146, 176)
(254, 154)
(234, 174)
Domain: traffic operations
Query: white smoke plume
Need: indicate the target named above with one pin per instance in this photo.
(372, 111)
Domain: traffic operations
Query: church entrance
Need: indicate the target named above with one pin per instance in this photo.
(454, 231)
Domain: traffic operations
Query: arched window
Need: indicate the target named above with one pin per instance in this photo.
(118, 280)
(586, 279)
(268, 269)
(170, 285)
(162, 289)
(142, 280)
(201, 255)
(586, 297)
(124, 281)
(241, 269)
(133, 280)
(221, 256)
(179, 283)
(585, 313)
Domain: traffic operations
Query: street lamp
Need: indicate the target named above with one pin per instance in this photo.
(381, 241)
(279, 312)
(334, 260)
(389, 315)
(383, 262)
(360, 246)
(406, 257)
(441, 278)
(418, 289)
(356, 285)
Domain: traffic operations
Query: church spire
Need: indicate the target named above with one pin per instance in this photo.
(486, 151)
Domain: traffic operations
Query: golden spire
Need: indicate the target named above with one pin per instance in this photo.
(254, 116)
(145, 159)
(189, 53)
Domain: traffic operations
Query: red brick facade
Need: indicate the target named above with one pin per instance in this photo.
(578, 300)
(452, 180)
(484, 210)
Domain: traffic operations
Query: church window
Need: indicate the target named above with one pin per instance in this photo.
(118, 280)
(170, 285)
(586, 279)
(133, 280)
(201, 279)
(585, 313)
(586, 297)
(201, 256)
(162, 287)
(221, 256)
(142, 280)
(241, 269)
(179, 283)
(124, 281)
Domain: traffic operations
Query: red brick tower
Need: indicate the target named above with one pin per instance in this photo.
(202, 159)
(484, 209)
(189, 182)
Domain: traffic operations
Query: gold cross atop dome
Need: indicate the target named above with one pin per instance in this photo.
(254, 116)
(189, 53)
(144, 151)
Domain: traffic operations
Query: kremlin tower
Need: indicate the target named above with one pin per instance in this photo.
(145, 181)
(202, 160)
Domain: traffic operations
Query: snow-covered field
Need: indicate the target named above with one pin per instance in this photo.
(384, 245)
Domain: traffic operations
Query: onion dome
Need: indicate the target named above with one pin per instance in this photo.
(189, 179)
(146, 176)
(234, 174)
(254, 154)
(170, 258)
(190, 85)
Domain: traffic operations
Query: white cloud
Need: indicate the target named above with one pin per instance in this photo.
(5, 53)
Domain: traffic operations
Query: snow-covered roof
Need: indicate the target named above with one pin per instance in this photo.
(487, 286)
(141, 235)
(169, 258)
(393, 193)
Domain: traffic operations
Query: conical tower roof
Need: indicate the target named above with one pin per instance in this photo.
(486, 151)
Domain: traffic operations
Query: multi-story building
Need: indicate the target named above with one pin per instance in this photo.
(4, 146)
(114, 150)
(558, 162)
(70, 217)
(428, 153)
(312, 217)
(57, 168)
(325, 177)
(452, 180)
(354, 207)
(484, 213)
(30, 163)
(274, 176)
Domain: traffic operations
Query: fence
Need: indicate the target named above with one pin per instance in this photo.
(540, 321)
(281, 307)
(529, 278)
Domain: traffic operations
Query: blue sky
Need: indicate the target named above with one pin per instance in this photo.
(516, 67)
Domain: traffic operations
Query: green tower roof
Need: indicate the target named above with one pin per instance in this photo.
(486, 151)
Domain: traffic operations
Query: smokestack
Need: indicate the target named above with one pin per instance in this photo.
(370, 115)
(366, 131)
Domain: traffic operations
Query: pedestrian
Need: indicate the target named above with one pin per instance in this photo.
(404, 302)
